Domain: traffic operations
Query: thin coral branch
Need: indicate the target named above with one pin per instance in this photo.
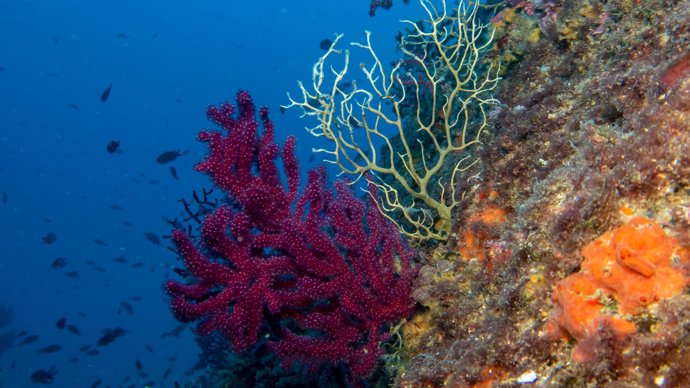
(411, 128)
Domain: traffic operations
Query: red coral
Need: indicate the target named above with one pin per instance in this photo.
(327, 274)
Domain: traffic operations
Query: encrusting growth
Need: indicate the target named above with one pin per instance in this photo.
(425, 114)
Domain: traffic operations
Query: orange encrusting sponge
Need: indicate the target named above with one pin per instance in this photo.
(473, 242)
(634, 265)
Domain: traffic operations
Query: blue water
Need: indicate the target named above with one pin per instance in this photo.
(166, 61)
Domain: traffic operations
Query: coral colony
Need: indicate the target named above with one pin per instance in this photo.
(321, 275)
(552, 227)
(442, 67)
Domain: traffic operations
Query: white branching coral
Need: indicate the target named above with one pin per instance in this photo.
(410, 130)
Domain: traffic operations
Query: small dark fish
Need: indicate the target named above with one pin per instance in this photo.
(348, 86)
(100, 242)
(154, 36)
(44, 376)
(61, 323)
(182, 272)
(73, 329)
(29, 340)
(93, 352)
(49, 238)
(154, 182)
(90, 262)
(138, 364)
(155, 240)
(169, 156)
(148, 348)
(113, 147)
(138, 264)
(106, 93)
(73, 106)
(126, 307)
(4, 197)
(51, 349)
(22, 333)
(354, 123)
(72, 274)
(167, 373)
(96, 383)
(2, 69)
(110, 335)
(85, 348)
(122, 35)
(282, 110)
(136, 298)
(100, 269)
(175, 332)
(116, 207)
(325, 44)
(120, 260)
(56, 40)
(127, 223)
(74, 360)
(173, 172)
(47, 220)
(59, 263)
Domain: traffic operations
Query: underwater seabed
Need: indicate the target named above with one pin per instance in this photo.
(568, 264)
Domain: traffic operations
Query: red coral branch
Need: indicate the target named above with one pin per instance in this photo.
(333, 272)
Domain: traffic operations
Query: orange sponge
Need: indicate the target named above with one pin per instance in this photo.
(578, 309)
(624, 271)
(635, 263)
(473, 241)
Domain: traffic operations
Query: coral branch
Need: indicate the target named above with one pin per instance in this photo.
(427, 115)
(327, 272)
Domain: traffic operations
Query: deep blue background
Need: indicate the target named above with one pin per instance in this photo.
(178, 57)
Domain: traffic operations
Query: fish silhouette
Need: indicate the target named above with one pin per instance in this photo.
(49, 238)
(169, 156)
(106, 93)
(113, 147)
(44, 376)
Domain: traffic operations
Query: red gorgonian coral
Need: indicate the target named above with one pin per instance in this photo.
(320, 276)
